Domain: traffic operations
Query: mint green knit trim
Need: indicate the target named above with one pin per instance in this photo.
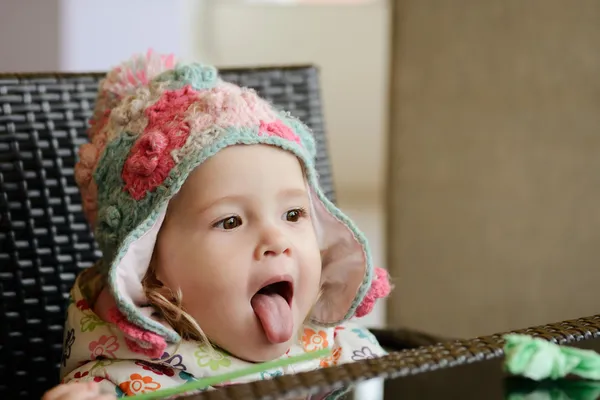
(306, 137)
(137, 217)
(108, 174)
(198, 76)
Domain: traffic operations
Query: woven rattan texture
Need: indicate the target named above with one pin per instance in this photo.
(404, 363)
(44, 238)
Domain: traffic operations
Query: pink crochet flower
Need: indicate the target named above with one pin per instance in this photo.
(278, 128)
(137, 339)
(150, 160)
(380, 287)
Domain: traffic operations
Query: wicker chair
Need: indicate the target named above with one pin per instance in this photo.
(44, 238)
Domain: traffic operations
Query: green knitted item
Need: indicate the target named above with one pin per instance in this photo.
(539, 359)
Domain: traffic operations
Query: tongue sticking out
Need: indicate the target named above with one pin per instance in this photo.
(274, 314)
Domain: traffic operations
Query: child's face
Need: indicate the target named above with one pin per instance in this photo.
(240, 222)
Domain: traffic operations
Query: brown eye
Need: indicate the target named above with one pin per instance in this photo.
(294, 215)
(229, 223)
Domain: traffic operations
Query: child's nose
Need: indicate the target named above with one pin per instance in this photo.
(273, 243)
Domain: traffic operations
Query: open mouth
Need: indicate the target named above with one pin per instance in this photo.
(272, 305)
(283, 288)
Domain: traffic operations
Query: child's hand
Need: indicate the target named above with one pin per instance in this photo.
(74, 391)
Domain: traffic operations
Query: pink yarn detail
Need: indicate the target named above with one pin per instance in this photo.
(228, 106)
(150, 160)
(380, 287)
(280, 129)
(145, 162)
(137, 339)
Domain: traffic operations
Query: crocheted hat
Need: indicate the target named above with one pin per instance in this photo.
(153, 123)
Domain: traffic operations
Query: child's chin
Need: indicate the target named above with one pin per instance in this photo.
(264, 352)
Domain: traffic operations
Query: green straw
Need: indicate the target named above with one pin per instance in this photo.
(214, 380)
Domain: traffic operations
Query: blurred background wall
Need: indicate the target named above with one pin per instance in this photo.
(495, 176)
(30, 35)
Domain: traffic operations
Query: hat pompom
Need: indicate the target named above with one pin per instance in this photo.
(123, 80)
(135, 72)
(380, 288)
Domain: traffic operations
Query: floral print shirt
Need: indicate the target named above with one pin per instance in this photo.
(96, 350)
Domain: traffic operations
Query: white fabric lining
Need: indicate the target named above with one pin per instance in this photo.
(133, 266)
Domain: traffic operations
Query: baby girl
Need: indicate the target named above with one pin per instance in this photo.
(219, 247)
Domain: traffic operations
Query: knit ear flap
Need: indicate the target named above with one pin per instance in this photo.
(350, 284)
(346, 270)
